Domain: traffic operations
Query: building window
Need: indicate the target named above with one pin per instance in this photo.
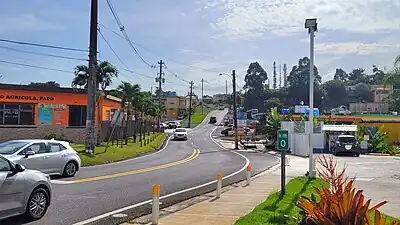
(77, 116)
(17, 114)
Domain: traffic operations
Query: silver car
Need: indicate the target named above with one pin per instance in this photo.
(47, 156)
(23, 192)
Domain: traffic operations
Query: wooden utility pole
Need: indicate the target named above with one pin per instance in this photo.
(235, 110)
(160, 80)
(90, 139)
(190, 104)
(202, 96)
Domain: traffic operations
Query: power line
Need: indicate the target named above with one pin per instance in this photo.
(122, 29)
(43, 54)
(33, 66)
(158, 54)
(42, 45)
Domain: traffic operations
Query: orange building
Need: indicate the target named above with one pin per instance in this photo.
(25, 105)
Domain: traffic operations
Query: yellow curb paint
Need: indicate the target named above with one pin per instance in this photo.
(194, 155)
(249, 168)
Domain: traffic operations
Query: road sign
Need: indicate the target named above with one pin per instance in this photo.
(283, 140)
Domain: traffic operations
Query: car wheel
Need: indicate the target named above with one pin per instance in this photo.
(357, 154)
(70, 169)
(37, 204)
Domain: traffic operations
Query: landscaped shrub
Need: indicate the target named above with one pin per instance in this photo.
(341, 203)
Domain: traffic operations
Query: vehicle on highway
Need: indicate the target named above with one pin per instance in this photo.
(47, 156)
(174, 124)
(22, 191)
(180, 134)
(346, 144)
(164, 125)
(213, 119)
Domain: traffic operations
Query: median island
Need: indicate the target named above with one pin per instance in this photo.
(115, 153)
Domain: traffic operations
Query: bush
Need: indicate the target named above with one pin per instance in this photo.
(55, 137)
(341, 203)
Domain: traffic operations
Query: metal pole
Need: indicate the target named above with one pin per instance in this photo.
(91, 102)
(160, 81)
(235, 109)
(190, 104)
(311, 103)
(202, 95)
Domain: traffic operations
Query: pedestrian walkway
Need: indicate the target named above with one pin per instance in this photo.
(232, 205)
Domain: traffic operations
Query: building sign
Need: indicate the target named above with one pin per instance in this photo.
(45, 116)
(27, 97)
(59, 115)
(53, 106)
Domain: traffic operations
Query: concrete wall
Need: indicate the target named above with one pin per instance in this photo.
(76, 135)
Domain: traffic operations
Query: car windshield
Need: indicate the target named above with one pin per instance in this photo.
(11, 147)
(347, 139)
(180, 130)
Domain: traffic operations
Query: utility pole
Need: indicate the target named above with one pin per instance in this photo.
(90, 139)
(160, 80)
(190, 104)
(235, 109)
(226, 94)
(202, 95)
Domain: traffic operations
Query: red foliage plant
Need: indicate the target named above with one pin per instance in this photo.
(341, 203)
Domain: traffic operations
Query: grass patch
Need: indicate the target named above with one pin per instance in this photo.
(277, 211)
(115, 153)
(197, 116)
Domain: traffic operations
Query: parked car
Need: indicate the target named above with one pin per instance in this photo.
(180, 134)
(47, 156)
(22, 191)
(221, 108)
(174, 124)
(213, 119)
(164, 125)
(181, 117)
(227, 131)
(346, 144)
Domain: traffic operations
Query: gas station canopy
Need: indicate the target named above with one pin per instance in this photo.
(349, 128)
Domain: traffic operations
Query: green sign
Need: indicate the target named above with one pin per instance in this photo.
(283, 140)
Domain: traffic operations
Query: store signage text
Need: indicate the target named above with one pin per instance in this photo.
(27, 97)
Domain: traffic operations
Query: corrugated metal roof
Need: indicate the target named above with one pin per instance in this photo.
(350, 128)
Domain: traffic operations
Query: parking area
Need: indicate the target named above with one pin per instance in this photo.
(378, 176)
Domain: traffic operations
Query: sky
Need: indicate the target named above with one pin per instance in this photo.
(197, 39)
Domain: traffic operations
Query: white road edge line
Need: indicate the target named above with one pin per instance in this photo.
(171, 194)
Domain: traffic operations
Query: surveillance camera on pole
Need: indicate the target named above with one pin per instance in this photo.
(312, 26)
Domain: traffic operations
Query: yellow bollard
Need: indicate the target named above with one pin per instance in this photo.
(219, 185)
(156, 204)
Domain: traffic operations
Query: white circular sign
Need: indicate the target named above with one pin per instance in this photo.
(283, 143)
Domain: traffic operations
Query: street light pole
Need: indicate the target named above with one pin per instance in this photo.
(235, 109)
(311, 24)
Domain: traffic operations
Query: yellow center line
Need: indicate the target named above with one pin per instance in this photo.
(194, 155)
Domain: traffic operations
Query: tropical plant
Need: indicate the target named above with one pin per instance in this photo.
(272, 124)
(128, 93)
(105, 73)
(377, 142)
(340, 203)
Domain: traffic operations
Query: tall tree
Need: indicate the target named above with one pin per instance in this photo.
(274, 76)
(105, 73)
(341, 75)
(48, 84)
(285, 75)
(363, 93)
(336, 94)
(357, 76)
(255, 83)
(128, 93)
(298, 81)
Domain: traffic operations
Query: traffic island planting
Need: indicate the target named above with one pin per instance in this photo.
(116, 153)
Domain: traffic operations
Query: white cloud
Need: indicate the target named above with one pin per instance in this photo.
(26, 23)
(356, 48)
(254, 18)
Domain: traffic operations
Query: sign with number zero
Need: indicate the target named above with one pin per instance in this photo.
(283, 140)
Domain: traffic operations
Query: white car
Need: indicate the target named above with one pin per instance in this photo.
(180, 134)
(23, 192)
(48, 156)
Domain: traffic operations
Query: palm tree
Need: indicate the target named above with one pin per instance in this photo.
(128, 93)
(105, 73)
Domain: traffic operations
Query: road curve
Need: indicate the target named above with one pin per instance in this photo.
(74, 203)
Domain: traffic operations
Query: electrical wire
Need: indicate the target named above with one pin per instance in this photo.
(43, 46)
(33, 66)
(158, 54)
(125, 35)
(42, 54)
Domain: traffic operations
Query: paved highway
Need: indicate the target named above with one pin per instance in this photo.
(98, 194)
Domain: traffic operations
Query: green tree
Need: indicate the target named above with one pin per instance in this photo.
(341, 75)
(358, 76)
(336, 94)
(272, 103)
(363, 93)
(255, 83)
(274, 86)
(128, 92)
(298, 81)
(105, 73)
(48, 84)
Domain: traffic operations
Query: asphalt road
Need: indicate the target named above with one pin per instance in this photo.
(100, 190)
